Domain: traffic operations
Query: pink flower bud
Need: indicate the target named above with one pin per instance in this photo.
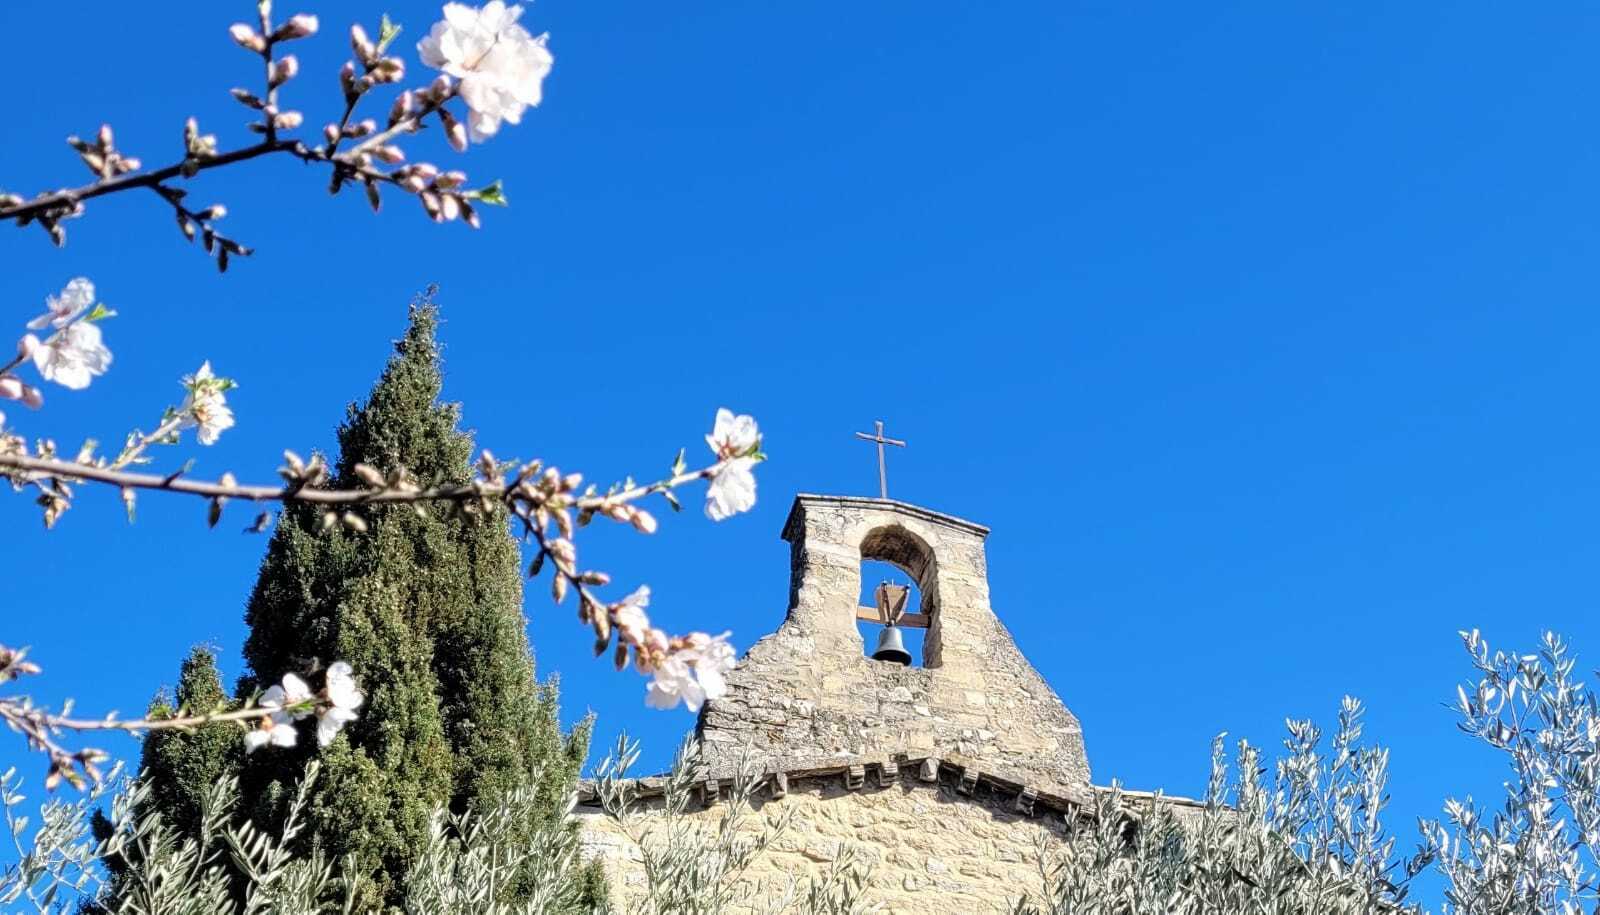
(440, 88)
(390, 70)
(361, 44)
(449, 206)
(450, 179)
(430, 202)
(105, 136)
(347, 81)
(644, 522)
(32, 396)
(300, 25)
(457, 135)
(427, 171)
(289, 120)
(330, 132)
(26, 346)
(247, 38)
(285, 70)
(413, 182)
(393, 155)
(11, 387)
(403, 104)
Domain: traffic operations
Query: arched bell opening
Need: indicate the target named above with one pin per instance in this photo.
(897, 614)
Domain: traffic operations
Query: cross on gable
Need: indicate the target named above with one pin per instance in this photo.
(883, 471)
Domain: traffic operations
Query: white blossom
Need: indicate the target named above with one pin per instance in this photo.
(733, 436)
(736, 441)
(693, 674)
(501, 67)
(293, 692)
(630, 618)
(73, 355)
(74, 300)
(206, 408)
(713, 658)
(277, 728)
(674, 681)
(732, 489)
(343, 700)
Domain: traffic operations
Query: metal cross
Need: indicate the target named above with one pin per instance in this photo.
(883, 472)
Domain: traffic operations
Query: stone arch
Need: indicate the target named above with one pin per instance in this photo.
(900, 547)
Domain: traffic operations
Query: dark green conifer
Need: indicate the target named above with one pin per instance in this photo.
(427, 609)
(190, 762)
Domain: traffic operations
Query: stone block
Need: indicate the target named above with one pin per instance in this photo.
(888, 773)
(855, 777)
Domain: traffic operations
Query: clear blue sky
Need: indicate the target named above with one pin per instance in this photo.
(1262, 336)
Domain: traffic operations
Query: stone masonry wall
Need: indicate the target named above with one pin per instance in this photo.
(807, 696)
(932, 850)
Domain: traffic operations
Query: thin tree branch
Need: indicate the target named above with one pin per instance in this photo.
(36, 468)
(46, 204)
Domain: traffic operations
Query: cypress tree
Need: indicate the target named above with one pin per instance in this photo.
(180, 765)
(190, 762)
(426, 607)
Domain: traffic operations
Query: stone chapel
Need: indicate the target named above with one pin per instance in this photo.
(943, 775)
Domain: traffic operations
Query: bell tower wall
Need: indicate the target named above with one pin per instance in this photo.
(808, 695)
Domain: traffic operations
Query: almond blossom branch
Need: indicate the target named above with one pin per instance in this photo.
(21, 467)
(485, 51)
(687, 668)
(549, 504)
(69, 202)
(273, 713)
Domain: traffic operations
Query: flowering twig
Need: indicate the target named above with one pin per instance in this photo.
(23, 468)
(275, 710)
(507, 81)
(548, 504)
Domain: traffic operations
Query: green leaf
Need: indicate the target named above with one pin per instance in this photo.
(493, 195)
(99, 313)
(387, 32)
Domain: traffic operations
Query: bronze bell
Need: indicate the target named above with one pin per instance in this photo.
(891, 647)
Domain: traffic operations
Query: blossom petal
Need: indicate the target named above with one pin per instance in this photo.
(712, 683)
(330, 722)
(273, 697)
(732, 490)
(659, 697)
(295, 689)
(342, 690)
(72, 356)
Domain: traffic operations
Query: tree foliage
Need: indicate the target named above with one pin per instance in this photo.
(427, 608)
